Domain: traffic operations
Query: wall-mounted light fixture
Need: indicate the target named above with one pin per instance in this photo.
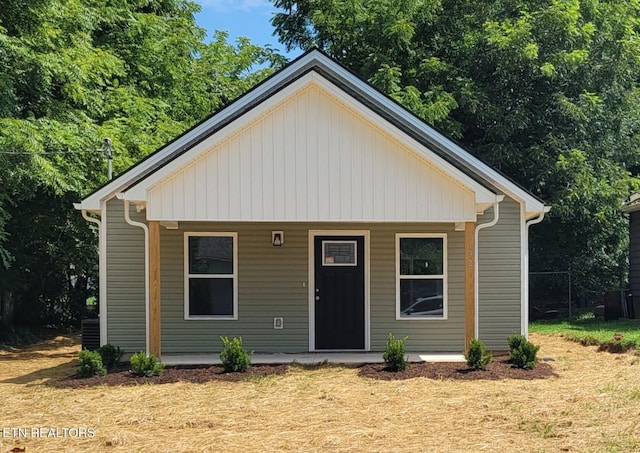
(277, 238)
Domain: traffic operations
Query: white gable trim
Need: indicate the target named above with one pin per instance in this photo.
(492, 177)
(532, 206)
(141, 191)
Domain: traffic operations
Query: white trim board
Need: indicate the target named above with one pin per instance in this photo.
(187, 276)
(445, 276)
(266, 89)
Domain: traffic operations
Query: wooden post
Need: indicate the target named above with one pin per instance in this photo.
(469, 283)
(154, 288)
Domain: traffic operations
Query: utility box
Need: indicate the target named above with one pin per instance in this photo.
(90, 329)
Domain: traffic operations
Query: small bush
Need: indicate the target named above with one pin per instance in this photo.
(110, 354)
(477, 356)
(145, 365)
(394, 354)
(234, 356)
(91, 364)
(522, 353)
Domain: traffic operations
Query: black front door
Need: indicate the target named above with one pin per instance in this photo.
(339, 292)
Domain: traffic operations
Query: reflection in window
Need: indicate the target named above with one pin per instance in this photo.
(421, 276)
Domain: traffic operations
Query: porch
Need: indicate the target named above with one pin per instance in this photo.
(309, 358)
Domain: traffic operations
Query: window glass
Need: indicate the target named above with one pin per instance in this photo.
(339, 253)
(421, 297)
(421, 288)
(211, 296)
(210, 255)
(421, 256)
(210, 278)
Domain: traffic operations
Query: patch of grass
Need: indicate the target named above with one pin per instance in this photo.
(589, 330)
(544, 430)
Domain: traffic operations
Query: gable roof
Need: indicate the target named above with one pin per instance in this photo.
(315, 61)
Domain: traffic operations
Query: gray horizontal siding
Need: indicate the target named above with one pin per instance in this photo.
(125, 280)
(272, 281)
(423, 335)
(499, 276)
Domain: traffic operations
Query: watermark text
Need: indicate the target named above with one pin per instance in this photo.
(24, 432)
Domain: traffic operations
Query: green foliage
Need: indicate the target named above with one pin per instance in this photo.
(75, 72)
(394, 354)
(547, 92)
(522, 353)
(110, 354)
(234, 356)
(145, 365)
(91, 364)
(477, 356)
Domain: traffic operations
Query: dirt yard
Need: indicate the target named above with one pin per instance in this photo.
(591, 405)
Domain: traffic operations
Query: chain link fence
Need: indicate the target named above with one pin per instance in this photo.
(549, 295)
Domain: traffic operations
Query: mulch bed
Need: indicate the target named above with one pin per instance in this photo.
(498, 369)
(197, 374)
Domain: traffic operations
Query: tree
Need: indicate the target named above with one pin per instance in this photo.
(546, 91)
(74, 73)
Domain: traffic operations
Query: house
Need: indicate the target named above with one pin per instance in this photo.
(631, 206)
(312, 214)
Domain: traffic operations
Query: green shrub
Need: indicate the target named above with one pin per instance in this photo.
(477, 356)
(110, 354)
(394, 354)
(522, 353)
(234, 356)
(145, 365)
(91, 364)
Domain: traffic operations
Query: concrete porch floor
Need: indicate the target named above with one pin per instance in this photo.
(309, 358)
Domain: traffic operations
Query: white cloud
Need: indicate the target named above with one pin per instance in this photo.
(229, 5)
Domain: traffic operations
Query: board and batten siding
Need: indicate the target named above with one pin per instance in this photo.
(310, 157)
(499, 276)
(125, 279)
(273, 281)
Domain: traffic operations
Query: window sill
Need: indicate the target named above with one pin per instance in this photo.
(210, 318)
(421, 318)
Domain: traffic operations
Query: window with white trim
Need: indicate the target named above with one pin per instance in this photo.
(211, 271)
(421, 276)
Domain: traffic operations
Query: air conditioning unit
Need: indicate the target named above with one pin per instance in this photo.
(90, 329)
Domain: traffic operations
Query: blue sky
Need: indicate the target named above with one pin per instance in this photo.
(250, 18)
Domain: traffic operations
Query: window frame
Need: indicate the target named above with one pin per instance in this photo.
(188, 276)
(443, 277)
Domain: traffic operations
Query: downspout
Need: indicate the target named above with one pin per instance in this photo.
(496, 217)
(102, 275)
(145, 228)
(525, 308)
